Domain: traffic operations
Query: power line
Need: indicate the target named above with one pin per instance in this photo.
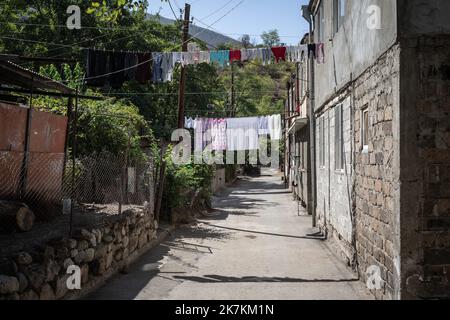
(171, 8)
(40, 42)
(177, 46)
(215, 11)
(139, 64)
(65, 27)
(187, 93)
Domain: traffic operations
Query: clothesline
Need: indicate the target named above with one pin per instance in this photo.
(116, 67)
(233, 134)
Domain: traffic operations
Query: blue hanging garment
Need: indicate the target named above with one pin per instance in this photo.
(221, 57)
(157, 76)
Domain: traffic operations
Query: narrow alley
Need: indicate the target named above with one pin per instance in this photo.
(254, 246)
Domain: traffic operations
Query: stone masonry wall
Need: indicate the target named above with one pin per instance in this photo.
(377, 172)
(425, 173)
(359, 206)
(42, 272)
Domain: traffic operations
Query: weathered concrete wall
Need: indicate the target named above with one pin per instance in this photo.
(423, 17)
(41, 273)
(355, 47)
(218, 182)
(377, 172)
(425, 166)
(334, 187)
(301, 175)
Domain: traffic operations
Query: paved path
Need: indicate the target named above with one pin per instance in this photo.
(253, 248)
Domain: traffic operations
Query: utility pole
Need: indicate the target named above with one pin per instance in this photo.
(181, 96)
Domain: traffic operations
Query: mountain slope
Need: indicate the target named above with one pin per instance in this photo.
(211, 38)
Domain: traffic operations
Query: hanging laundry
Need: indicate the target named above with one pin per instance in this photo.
(312, 50)
(221, 57)
(176, 58)
(320, 53)
(274, 123)
(205, 57)
(266, 56)
(244, 55)
(235, 55)
(97, 67)
(131, 62)
(242, 134)
(196, 57)
(157, 76)
(279, 53)
(259, 55)
(219, 134)
(294, 53)
(188, 123)
(143, 70)
(207, 133)
(252, 54)
(187, 58)
(199, 127)
(116, 69)
(303, 52)
(263, 126)
(290, 53)
(167, 66)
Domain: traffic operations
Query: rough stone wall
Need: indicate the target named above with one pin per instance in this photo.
(99, 253)
(425, 166)
(377, 172)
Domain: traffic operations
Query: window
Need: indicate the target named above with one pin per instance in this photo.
(338, 138)
(320, 23)
(322, 142)
(365, 130)
(339, 8)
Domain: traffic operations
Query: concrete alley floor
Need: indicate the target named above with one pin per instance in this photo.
(254, 247)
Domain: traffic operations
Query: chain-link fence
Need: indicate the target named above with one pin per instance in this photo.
(45, 189)
(105, 184)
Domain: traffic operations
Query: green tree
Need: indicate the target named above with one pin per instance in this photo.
(246, 41)
(271, 38)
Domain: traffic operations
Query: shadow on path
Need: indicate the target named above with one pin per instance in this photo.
(265, 233)
(254, 279)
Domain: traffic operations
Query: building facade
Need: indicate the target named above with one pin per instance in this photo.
(382, 139)
(297, 130)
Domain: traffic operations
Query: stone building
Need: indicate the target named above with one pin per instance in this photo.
(298, 160)
(382, 136)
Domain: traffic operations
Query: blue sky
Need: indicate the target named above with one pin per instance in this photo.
(251, 17)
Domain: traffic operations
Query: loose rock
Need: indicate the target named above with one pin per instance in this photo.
(47, 293)
(8, 284)
(24, 258)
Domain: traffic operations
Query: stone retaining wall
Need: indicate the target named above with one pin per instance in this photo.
(42, 274)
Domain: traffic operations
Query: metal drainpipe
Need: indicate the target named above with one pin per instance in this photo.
(312, 133)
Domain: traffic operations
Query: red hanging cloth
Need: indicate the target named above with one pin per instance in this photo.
(235, 55)
(279, 53)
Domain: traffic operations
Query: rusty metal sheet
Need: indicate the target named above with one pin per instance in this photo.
(12, 127)
(10, 165)
(44, 179)
(48, 132)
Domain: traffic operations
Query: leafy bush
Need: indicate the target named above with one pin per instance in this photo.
(183, 181)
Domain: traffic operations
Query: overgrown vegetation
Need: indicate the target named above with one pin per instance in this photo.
(136, 112)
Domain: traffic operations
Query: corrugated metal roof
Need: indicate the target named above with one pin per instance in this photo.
(13, 74)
